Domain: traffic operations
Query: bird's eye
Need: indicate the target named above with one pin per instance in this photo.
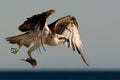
(61, 38)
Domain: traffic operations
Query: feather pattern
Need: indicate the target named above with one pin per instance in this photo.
(68, 27)
(36, 21)
(24, 39)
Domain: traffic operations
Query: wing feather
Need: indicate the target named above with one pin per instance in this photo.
(36, 21)
(68, 27)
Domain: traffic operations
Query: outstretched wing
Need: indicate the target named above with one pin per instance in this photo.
(68, 27)
(35, 21)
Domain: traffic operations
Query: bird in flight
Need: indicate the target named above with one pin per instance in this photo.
(39, 33)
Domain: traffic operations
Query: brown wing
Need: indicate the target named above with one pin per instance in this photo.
(68, 27)
(35, 21)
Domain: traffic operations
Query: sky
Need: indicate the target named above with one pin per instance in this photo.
(99, 26)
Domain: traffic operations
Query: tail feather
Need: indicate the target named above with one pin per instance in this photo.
(22, 39)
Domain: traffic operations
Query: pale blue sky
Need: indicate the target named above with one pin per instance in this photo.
(99, 25)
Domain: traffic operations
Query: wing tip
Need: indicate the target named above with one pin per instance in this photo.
(52, 10)
(85, 61)
(49, 12)
(81, 51)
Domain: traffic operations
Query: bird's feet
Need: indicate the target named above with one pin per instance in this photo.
(32, 61)
(14, 50)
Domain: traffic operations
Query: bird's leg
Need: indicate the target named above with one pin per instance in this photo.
(15, 50)
(34, 47)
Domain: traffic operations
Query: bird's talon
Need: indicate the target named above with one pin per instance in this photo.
(14, 50)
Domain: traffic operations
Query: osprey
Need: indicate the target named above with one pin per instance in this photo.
(38, 32)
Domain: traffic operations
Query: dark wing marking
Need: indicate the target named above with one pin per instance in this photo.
(35, 21)
(68, 27)
(61, 24)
